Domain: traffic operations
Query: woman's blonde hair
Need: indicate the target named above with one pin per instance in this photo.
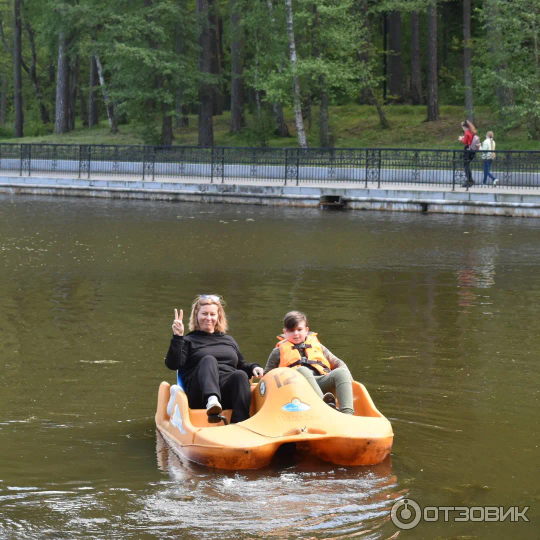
(205, 300)
(489, 134)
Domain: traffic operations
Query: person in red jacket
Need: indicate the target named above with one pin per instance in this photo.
(468, 154)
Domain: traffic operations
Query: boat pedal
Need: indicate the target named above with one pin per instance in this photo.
(216, 419)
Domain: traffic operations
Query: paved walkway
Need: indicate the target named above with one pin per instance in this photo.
(477, 188)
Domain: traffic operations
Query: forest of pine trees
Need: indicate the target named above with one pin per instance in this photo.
(65, 62)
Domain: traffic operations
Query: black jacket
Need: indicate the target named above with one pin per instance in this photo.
(185, 353)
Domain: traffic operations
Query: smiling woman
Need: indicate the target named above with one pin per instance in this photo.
(209, 362)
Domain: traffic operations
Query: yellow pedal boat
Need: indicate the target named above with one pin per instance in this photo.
(284, 409)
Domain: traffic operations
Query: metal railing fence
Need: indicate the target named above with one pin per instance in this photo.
(286, 166)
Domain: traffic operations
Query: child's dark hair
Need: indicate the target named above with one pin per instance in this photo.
(470, 126)
(293, 319)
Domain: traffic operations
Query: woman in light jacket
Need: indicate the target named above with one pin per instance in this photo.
(488, 155)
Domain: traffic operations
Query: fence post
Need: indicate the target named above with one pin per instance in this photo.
(286, 165)
(212, 165)
(153, 163)
(89, 159)
(29, 160)
(453, 170)
(223, 165)
(367, 158)
(20, 159)
(144, 163)
(379, 170)
(297, 165)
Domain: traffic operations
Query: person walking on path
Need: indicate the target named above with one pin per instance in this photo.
(469, 151)
(488, 155)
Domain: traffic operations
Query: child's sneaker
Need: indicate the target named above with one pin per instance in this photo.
(330, 399)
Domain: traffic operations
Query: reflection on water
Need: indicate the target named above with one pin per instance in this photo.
(436, 315)
(281, 500)
(477, 272)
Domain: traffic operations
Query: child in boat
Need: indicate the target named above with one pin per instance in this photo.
(326, 373)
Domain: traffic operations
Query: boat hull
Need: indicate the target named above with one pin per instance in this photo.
(284, 409)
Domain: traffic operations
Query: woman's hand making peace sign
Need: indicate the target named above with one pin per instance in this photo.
(178, 325)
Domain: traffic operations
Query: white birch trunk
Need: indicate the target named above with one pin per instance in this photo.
(108, 104)
(296, 83)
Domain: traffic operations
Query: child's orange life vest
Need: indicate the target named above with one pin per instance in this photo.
(290, 356)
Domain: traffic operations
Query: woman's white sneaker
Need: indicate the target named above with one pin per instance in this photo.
(213, 406)
(495, 182)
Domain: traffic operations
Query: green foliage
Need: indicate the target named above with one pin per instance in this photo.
(510, 61)
(355, 126)
(150, 134)
(6, 132)
(149, 51)
(258, 131)
(36, 128)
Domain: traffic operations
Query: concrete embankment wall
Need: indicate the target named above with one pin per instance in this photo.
(395, 198)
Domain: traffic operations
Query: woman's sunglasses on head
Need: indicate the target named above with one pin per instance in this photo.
(212, 297)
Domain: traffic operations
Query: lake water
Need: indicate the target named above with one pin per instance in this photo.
(436, 314)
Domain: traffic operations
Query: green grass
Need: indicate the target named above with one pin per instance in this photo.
(353, 126)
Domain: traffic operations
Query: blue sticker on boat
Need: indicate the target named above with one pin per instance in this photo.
(296, 406)
(176, 420)
(262, 388)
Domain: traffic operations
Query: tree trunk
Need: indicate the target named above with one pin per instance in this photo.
(395, 84)
(368, 94)
(380, 111)
(324, 121)
(282, 128)
(256, 85)
(32, 72)
(216, 43)
(61, 122)
(237, 69)
(206, 126)
(469, 103)
(113, 123)
(433, 89)
(73, 85)
(182, 111)
(17, 74)
(93, 117)
(297, 100)
(3, 101)
(416, 63)
(84, 109)
(166, 126)
(181, 117)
